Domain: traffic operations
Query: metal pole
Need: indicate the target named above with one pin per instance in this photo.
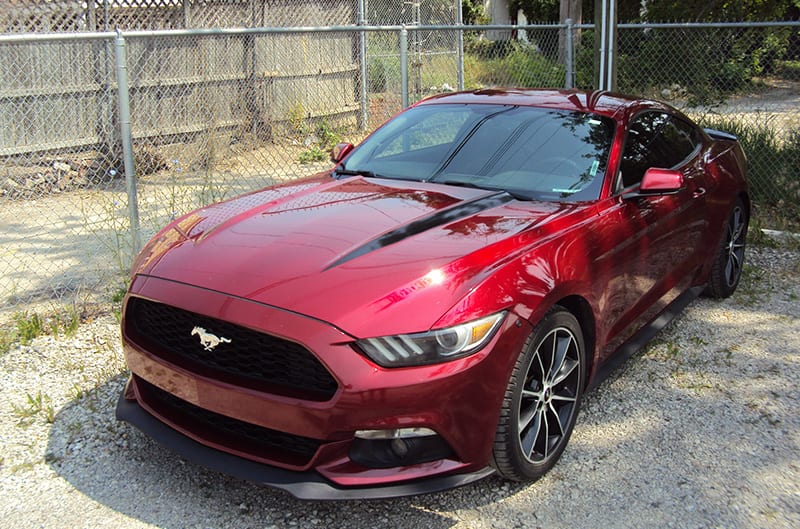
(417, 17)
(362, 59)
(601, 85)
(186, 14)
(612, 39)
(568, 57)
(404, 66)
(460, 24)
(127, 142)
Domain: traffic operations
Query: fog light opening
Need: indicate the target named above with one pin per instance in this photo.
(398, 447)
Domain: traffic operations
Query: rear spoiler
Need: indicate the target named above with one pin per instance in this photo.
(719, 135)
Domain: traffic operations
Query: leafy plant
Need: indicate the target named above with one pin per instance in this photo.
(328, 137)
(296, 116)
(314, 154)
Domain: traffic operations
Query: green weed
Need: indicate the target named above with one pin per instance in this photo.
(296, 116)
(314, 154)
(7, 338)
(326, 138)
(29, 326)
(39, 404)
(65, 322)
(753, 285)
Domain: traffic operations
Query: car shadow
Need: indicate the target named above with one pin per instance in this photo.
(117, 466)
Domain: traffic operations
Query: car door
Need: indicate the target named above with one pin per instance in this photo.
(659, 236)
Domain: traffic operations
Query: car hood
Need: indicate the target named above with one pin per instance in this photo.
(370, 256)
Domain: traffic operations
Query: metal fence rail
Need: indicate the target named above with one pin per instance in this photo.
(216, 112)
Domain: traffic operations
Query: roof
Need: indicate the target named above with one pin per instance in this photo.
(600, 102)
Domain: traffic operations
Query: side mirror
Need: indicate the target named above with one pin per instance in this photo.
(340, 152)
(657, 181)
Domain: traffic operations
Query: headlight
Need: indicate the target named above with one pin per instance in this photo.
(431, 347)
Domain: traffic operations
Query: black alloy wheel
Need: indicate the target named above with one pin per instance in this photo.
(542, 399)
(729, 263)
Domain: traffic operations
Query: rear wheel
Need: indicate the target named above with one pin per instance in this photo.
(729, 262)
(542, 399)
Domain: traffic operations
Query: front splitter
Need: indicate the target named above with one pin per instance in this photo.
(307, 485)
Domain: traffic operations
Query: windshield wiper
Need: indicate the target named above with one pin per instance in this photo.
(462, 183)
(459, 183)
(350, 172)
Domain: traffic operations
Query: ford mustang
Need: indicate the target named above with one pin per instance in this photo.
(432, 309)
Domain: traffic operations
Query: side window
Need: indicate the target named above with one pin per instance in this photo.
(655, 139)
(682, 137)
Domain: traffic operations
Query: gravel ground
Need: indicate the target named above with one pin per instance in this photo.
(701, 429)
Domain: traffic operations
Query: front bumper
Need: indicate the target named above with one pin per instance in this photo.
(308, 485)
(459, 400)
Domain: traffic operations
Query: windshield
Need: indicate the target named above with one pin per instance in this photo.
(530, 152)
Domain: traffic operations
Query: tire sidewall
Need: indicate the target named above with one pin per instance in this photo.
(719, 287)
(527, 469)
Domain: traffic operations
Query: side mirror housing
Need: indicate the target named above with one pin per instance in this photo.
(340, 151)
(657, 182)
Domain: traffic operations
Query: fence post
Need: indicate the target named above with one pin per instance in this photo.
(362, 59)
(460, 24)
(127, 141)
(404, 66)
(187, 17)
(569, 65)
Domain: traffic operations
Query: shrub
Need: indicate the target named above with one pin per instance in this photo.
(510, 63)
(788, 69)
(376, 75)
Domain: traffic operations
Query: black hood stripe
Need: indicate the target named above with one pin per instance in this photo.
(438, 218)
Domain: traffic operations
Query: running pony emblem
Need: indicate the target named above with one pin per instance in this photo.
(207, 340)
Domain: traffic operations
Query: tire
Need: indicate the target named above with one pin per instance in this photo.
(542, 399)
(726, 271)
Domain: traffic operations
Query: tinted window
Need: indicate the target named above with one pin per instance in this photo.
(682, 137)
(530, 152)
(655, 139)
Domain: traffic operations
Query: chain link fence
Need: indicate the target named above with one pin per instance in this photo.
(740, 78)
(215, 113)
(56, 16)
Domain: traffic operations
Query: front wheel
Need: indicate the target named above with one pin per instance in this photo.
(542, 399)
(729, 261)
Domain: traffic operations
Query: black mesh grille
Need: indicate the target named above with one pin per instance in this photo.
(241, 436)
(250, 359)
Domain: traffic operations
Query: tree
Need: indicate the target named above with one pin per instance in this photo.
(708, 10)
(473, 12)
(551, 10)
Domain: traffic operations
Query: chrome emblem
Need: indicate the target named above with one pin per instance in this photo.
(207, 340)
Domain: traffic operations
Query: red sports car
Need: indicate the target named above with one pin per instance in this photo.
(431, 310)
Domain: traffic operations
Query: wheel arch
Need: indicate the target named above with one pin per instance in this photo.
(579, 307)
(744, 196)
